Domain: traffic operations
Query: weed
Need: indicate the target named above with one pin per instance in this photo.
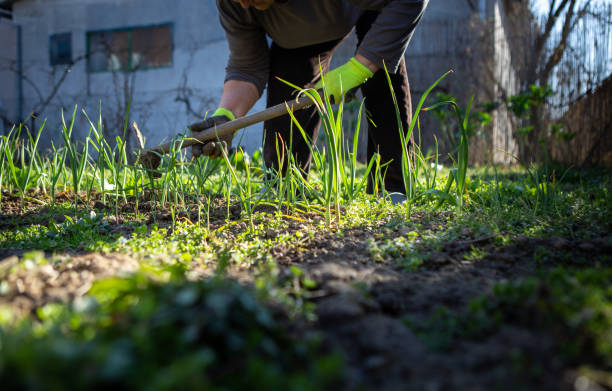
(574, 305)
(143, 334)
(22, 171)
(402, 250)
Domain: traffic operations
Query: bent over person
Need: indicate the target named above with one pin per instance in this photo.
(304, 35)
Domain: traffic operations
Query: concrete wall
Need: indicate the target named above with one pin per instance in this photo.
(199, 57)
(9, 82)
(440, 43)
(504, 146)
(475, 46)
(436, 45)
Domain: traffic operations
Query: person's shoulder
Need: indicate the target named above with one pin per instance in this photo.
(229, 7)
(231, 12)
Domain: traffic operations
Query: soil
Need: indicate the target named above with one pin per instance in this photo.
(367, 324)
(360, 304)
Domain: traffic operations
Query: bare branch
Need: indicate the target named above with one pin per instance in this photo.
(551, 20)
(557, 53)
(44, 103)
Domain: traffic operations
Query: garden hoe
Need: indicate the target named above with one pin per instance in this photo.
(151, 158)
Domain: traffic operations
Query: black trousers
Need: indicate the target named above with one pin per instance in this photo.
(300, 66)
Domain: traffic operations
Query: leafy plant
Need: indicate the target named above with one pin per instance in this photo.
(521, 104)
(22, 171)
(78, 161)
(450, 134)
(138, 334)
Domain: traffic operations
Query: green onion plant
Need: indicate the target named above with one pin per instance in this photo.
(77, 160)
(22, 170)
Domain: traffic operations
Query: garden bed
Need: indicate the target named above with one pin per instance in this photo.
(499, 295)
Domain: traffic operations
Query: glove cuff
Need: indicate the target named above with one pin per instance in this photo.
(360, 69)
(225, 112)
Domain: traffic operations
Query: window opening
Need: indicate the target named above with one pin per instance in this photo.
(129, 49)
(60, 49)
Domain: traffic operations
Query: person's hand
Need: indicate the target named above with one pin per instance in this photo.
(344, 78)
(212, 148)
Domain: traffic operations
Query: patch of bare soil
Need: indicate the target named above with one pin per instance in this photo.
(63, 280)
(37, 209)
(361, 306)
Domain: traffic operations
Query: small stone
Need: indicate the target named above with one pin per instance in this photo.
(336, 309)
(46, 271)
(586, 246)
(558, 243)
(376, 361)
(100, 205)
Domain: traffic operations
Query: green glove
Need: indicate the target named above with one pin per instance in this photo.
(212, 148)
(344, 78)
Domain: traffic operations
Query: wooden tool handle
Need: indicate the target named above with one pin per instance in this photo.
(237, 124)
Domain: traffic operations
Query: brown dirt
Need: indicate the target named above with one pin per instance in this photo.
(361, 304)
(64, 279)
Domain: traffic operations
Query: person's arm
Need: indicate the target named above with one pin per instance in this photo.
(236, 100)
(387, 39)
(238, 97)
(248, 48)
(383, 45)
(367, 63)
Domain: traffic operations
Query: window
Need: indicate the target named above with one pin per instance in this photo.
(60, 49)
(129, 49)
(482, 9)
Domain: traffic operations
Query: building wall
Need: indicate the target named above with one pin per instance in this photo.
(436, 45)
(440, 43)
(9, 63)
(199, 57)
(504, 146)
(475, 46)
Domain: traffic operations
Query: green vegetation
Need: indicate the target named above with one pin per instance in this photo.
(133, 333)
(168, 315)
(573, 305)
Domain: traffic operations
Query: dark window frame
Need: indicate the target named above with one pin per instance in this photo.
(55, 52)
(130, 29)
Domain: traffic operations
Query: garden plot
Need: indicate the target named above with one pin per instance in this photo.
(490, 297)
(201, 274)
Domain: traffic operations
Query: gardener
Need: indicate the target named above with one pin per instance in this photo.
(304, 35)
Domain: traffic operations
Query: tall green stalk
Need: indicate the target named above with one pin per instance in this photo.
(459, 172)
(56, 168)
(244, 190)
(334, 174)
(2, 165)
(106, 155)
(409, 173)
(78, 161)
(22, 172)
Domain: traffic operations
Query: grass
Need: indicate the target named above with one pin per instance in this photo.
(190, 224)
(572, 304)
(152, 342)
(102, 168)
(177, 250)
